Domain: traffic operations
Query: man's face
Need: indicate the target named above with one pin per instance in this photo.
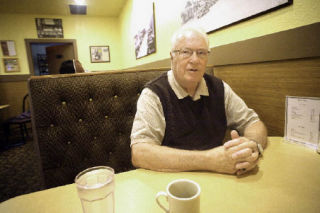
(188, 71)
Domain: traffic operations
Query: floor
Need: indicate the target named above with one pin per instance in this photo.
(19, 171)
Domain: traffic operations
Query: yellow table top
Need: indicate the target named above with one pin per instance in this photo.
(4, 106)
(288, 180)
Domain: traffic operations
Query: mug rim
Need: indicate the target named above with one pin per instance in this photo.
(184, 180)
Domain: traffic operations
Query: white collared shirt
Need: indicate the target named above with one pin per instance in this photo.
(149, 123)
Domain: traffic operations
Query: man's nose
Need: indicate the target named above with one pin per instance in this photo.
(194, 57)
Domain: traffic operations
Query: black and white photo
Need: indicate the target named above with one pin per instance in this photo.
(144, 38)
(215, 14)
(49, 28)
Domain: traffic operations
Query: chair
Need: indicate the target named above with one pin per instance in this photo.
(21, 120)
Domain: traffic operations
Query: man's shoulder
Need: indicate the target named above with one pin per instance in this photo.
(212, 77)
(158, 80)
(213, 81)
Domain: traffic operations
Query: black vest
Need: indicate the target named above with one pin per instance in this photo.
(192, 125)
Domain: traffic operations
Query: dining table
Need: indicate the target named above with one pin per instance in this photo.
(4, 106)
(287, 179)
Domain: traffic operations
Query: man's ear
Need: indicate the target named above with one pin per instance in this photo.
(171, 55)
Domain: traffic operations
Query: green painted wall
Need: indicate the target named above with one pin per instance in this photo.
(88, 31)
(119, 32)
(167, 19)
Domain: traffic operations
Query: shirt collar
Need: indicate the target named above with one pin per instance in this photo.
(202, 89)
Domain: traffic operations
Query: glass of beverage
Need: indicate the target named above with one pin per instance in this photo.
(96, 189)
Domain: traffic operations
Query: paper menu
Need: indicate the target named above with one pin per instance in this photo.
(303, 120)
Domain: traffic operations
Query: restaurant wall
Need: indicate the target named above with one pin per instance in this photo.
(88, 31)
(167, 20)
(118, 32)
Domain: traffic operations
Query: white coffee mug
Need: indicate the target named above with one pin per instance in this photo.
(182, 195)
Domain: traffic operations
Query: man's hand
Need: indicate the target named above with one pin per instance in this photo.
(244, 152)
(220, 160)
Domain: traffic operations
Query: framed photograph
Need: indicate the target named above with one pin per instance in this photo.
(49, 28)
(99, 54)
(145, 38)
(8, 48)
(11, 65)
(212, 15)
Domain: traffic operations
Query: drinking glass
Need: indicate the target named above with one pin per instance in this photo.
(96, 189)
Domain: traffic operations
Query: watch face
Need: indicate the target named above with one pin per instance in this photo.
(260, 148)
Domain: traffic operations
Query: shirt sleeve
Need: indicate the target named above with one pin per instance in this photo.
(238, 114)
(149, 122)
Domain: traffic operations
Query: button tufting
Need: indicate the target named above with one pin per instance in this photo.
(138, 94)
(51, 125)
(115, 96)
(64, 103)
(95, 138)
(90, 99)
(106, 116)
(69, 142)
(80, 120)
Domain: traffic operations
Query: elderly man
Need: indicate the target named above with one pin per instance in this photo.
(182, 117)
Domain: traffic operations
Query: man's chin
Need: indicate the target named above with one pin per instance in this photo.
(193, 77)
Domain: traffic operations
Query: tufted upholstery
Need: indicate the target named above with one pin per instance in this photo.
(84, 120)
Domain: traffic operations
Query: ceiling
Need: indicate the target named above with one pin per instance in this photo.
(110, 8)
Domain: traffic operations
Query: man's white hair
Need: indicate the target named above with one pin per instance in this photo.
(183, 31)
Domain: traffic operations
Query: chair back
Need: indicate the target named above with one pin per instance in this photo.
(25, 103)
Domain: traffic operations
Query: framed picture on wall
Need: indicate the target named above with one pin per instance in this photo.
(49, 28)
(8, 48)
(99, 54)
(11, 65)
(212, 15)
(145, 38)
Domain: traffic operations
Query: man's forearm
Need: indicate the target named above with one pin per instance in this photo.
(257, 132)
(163, 158)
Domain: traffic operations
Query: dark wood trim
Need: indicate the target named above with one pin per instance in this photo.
(14, 78)
(264, 86)
(301, 42)
(28, 43)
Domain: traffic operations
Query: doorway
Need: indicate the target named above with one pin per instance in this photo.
(45, 56)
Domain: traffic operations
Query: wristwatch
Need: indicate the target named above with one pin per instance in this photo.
(260, 148)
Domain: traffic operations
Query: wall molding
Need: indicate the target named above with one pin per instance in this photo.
(14, 78)
(301, 42)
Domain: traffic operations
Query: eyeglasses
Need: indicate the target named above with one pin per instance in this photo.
(187, 53)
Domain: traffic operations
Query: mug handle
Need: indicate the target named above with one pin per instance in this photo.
(159, 194)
